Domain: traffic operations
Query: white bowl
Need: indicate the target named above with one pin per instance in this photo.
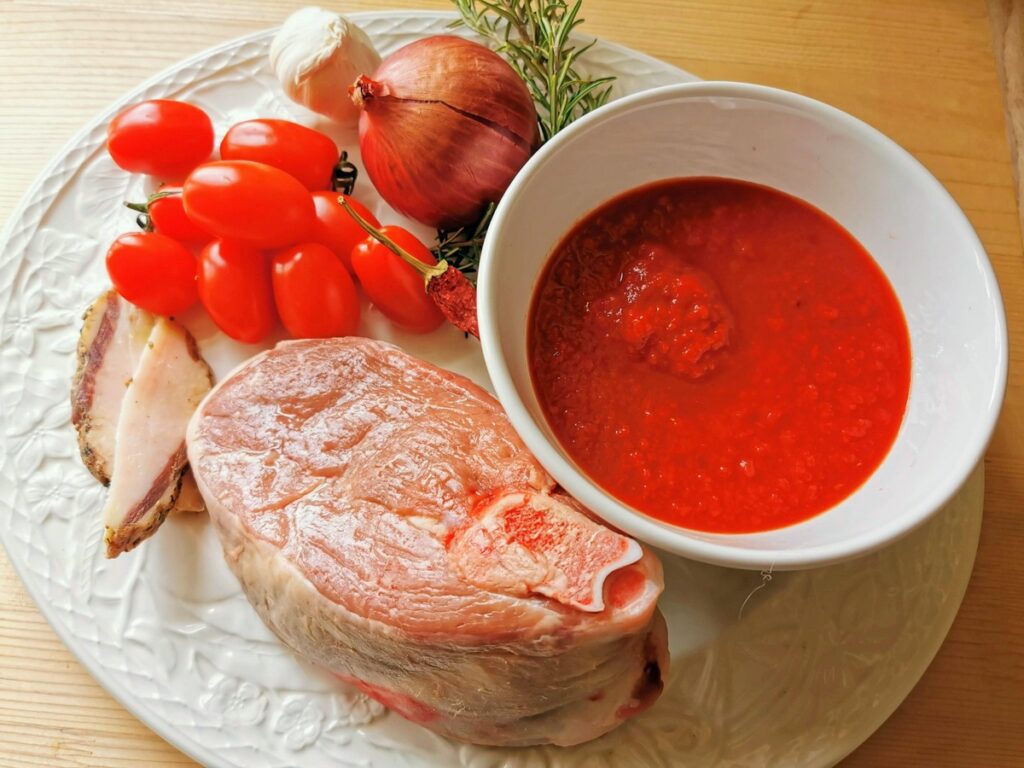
(875, 189)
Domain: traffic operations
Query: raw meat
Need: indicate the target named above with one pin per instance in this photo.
(386, 522)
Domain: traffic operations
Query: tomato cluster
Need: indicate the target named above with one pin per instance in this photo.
(257, 235)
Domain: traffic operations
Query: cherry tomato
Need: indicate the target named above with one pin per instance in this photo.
(335, 228)
(250, 202)
(314, 293)
(306, 154)
(163, 138)
(153, 271)
(168, 217)
(234, 286)
(392, 285)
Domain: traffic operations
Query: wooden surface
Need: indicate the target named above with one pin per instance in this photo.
(1007, 17)
(922, 71)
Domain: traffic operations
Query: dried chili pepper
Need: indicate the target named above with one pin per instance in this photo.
(450, 290)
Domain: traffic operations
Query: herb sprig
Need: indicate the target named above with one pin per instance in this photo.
(534, 36)
(462, 247)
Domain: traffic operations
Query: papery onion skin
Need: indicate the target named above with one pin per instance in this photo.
(446, 125)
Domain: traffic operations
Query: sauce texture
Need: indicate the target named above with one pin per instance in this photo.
(719, 355)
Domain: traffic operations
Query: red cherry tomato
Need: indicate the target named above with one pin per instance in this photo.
(306, 154)
(163, 138)
(314, 293)
(250, 202)
(392, 285)
(234, 286)
(168, 217)
(335, 228)
(153, 271)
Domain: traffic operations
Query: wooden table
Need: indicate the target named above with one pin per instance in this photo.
(922, 71)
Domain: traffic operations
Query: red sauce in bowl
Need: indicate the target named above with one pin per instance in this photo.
(719, 355)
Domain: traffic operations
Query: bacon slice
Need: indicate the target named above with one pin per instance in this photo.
(149, 453)
(114, 334)
(189, 499)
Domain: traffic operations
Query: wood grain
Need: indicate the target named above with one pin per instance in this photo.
(1007, 17)
(922, 71)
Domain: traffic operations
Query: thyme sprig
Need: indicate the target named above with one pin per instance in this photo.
(462, 247)
(534, 36)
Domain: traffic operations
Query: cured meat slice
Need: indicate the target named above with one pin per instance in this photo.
(189, 499)
(385, 520)
(149, 452)
(114, 335)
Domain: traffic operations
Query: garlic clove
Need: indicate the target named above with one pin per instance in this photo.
(317, 55)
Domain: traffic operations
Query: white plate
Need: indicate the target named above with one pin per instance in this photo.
(794, 670)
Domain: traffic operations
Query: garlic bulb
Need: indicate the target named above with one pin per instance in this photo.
(317, 55)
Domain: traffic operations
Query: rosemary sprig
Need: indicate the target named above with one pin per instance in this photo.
(534, 37)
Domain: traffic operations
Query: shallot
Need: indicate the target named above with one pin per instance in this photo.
(446, 125)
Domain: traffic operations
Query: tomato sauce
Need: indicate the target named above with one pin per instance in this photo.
(719, 355)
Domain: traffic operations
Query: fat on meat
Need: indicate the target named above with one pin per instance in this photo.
(387, 523)
(149, 448)
(114, 335)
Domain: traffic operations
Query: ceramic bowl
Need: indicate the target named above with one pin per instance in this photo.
(866, 182)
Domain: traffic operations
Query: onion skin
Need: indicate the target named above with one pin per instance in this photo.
(446, 124)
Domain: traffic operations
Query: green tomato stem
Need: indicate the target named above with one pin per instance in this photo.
(144, 207)
(426, 270)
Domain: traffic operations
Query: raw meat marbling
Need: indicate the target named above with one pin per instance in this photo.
(386, 522)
